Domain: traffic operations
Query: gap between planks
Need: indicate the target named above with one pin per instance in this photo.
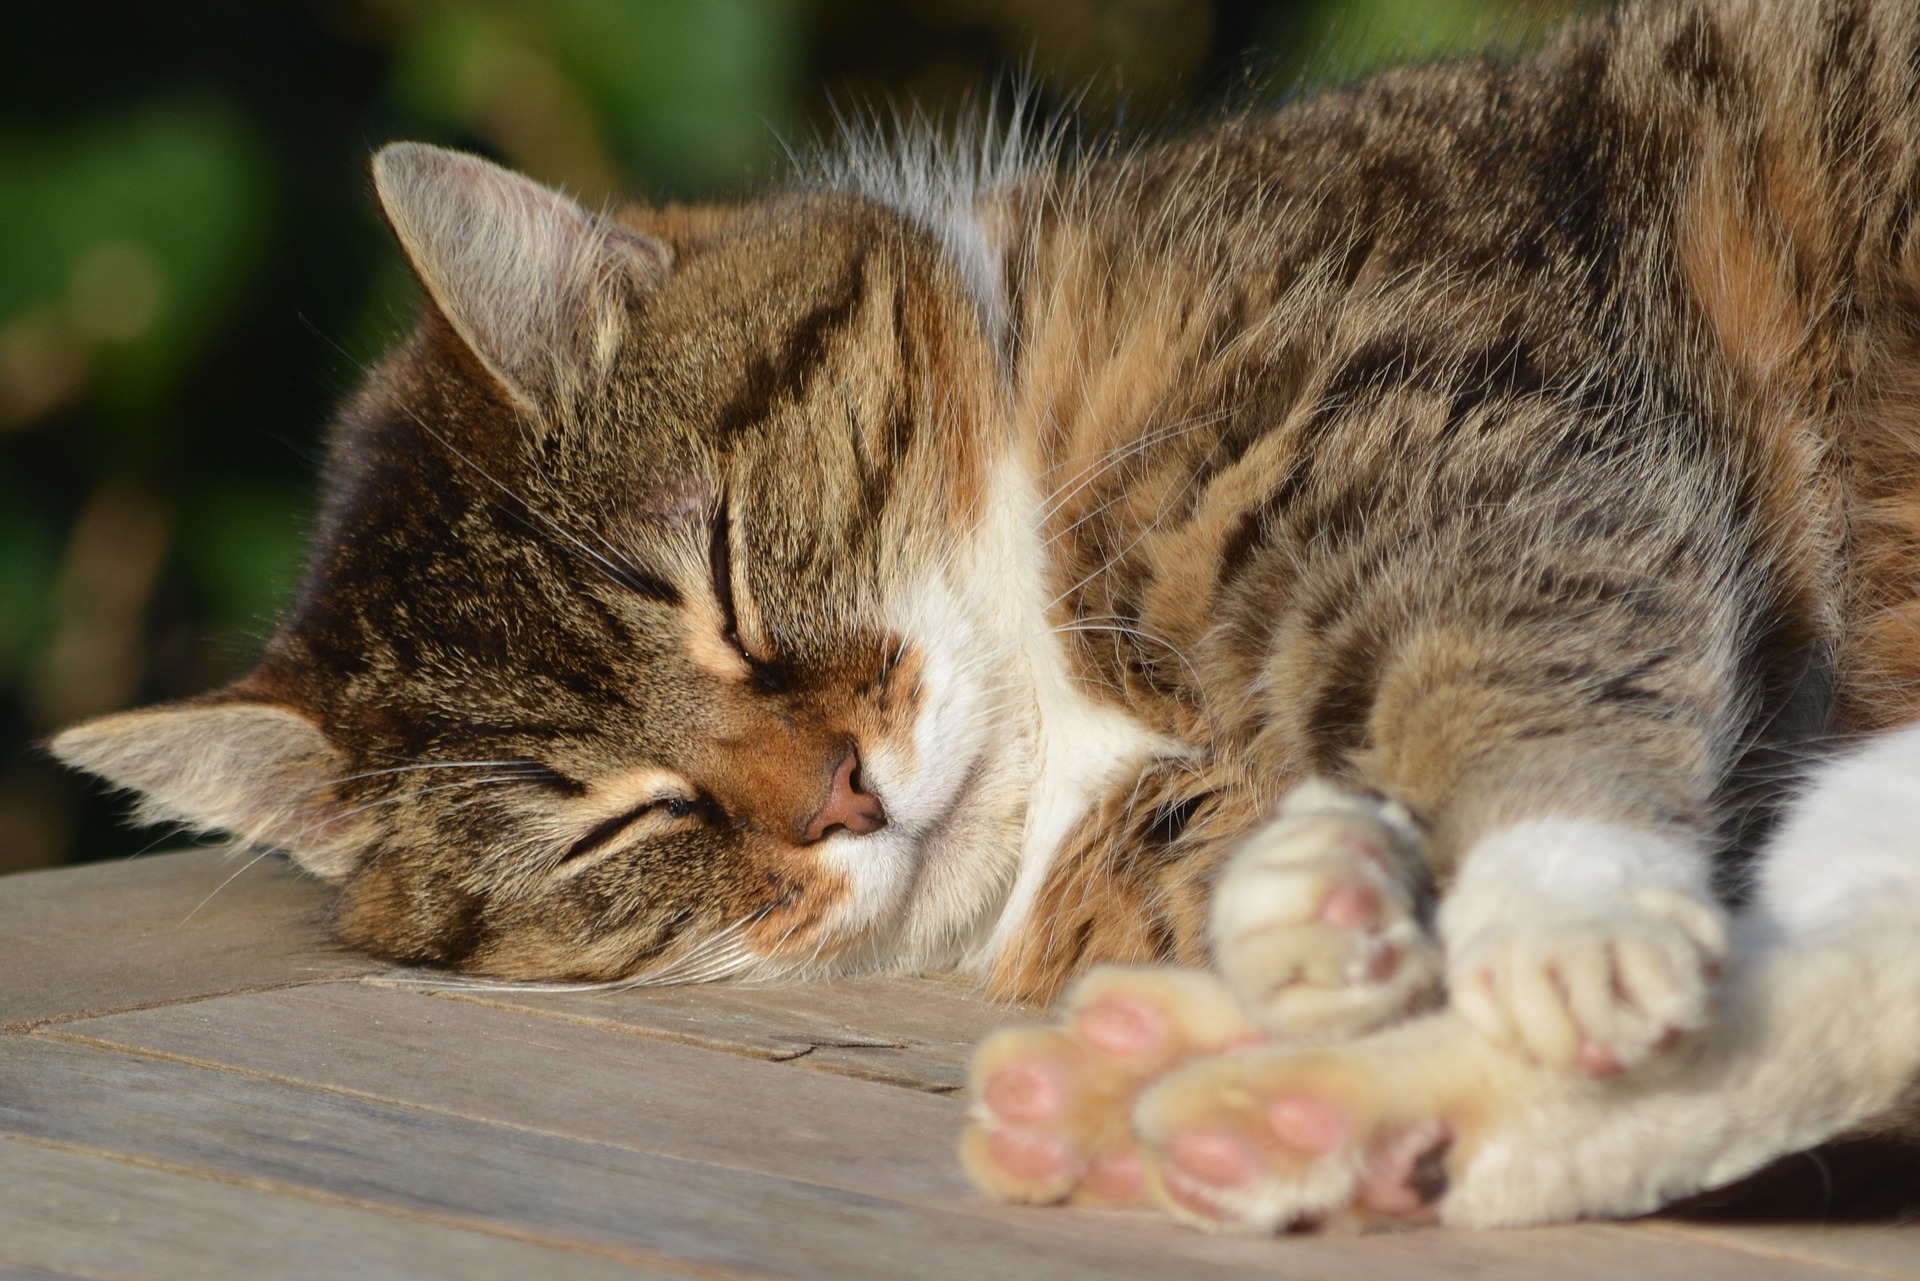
(207, 1204)
(913, 1160)
(170, 935)
(580, 1190)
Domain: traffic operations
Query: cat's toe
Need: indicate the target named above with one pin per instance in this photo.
(1315, 924)
(1596, 996)
(1051, 1115)
(1276, 1138)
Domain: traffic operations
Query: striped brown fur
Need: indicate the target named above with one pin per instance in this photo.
(1508, 434)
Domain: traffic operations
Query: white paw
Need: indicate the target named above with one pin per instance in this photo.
(1314, 924)
(1600, 989)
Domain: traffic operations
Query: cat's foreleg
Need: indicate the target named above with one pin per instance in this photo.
(1315, 926)
(1052, 1105)
(1429, 1120)
(1583, 944)
(1816, 1034)
(1316, 919)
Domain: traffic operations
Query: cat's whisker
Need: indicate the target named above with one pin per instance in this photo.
(717, 964)
(699, 956)
(243, 869)
(558, 496)
(1127, 628)
(1147, 530)
(1119, 455)
(772, 957)
(621, 575)
(728, 964)
(1445, 511)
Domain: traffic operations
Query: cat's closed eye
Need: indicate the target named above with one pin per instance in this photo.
(765, 674)
(649, 817)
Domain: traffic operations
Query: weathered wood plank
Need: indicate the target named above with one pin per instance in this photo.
(76, 1214)
(913, 1032)
(1579, 1252)
(1890, 1250)
(685, 1102)
(10, 1273)
(590, 1194)
(523, 1117)
(162, 928)
(619, 1088)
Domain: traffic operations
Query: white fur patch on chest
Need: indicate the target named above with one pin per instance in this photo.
(1080, 748)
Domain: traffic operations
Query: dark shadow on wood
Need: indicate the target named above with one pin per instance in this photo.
(1863, 1180)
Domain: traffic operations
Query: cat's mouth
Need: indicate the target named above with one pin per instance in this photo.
(922, 845)
(934, 836)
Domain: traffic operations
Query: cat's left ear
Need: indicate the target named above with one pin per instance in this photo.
(229, 762)
(534, 285)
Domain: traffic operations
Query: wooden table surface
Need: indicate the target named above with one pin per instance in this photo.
(194, 1083)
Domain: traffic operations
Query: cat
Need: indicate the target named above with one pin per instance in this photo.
(1410, 599)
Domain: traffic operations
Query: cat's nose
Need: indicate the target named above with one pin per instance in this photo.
(849, 807)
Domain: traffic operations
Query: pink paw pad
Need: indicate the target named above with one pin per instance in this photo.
(1115, 1176)
(1306, 1124)
(1597, 1060)
(1408, 1175)
(1029, 1155)
(1352, 905)
(1382, 963)
(1212, 1157)
(1118, 1026)
(1025, 1092)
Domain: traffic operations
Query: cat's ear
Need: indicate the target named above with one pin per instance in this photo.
(533, 284)
(261, 771)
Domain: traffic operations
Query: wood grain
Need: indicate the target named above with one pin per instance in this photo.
(281, 1137)
(212, 1089)
(769, 1118)
(65, 1213)
(161, 928)
(570, 1079)
(8, 1272)
(1891, 1250)
(913, 1032)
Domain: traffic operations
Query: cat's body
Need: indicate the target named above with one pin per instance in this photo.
(947, 568)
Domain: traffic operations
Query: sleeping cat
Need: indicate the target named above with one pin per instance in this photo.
(1403, 558)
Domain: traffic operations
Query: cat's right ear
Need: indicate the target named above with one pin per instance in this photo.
(261, 771)
(534, 285)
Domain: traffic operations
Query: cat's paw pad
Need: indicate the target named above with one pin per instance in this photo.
(1315, 924)
(1276, 1139)
(1595, 993)
(1050, 1119)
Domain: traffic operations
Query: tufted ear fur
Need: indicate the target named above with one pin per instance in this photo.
(533, 284)
(258, 770)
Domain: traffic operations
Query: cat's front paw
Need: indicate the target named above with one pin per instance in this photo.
(1600, 988)
(1315, 923)
(1050, 1119)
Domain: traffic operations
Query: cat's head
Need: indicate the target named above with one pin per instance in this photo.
(636, 633)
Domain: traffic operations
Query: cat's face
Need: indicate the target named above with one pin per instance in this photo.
(631, 638)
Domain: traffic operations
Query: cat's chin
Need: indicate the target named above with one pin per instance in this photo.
(941, 848)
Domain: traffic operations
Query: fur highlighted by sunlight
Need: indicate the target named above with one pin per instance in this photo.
(1413, 559)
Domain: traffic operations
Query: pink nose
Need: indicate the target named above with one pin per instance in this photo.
(848, 807)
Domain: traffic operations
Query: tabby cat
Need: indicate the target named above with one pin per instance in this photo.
(1441, 562)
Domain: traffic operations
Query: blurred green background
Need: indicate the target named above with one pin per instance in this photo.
(192, 270)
